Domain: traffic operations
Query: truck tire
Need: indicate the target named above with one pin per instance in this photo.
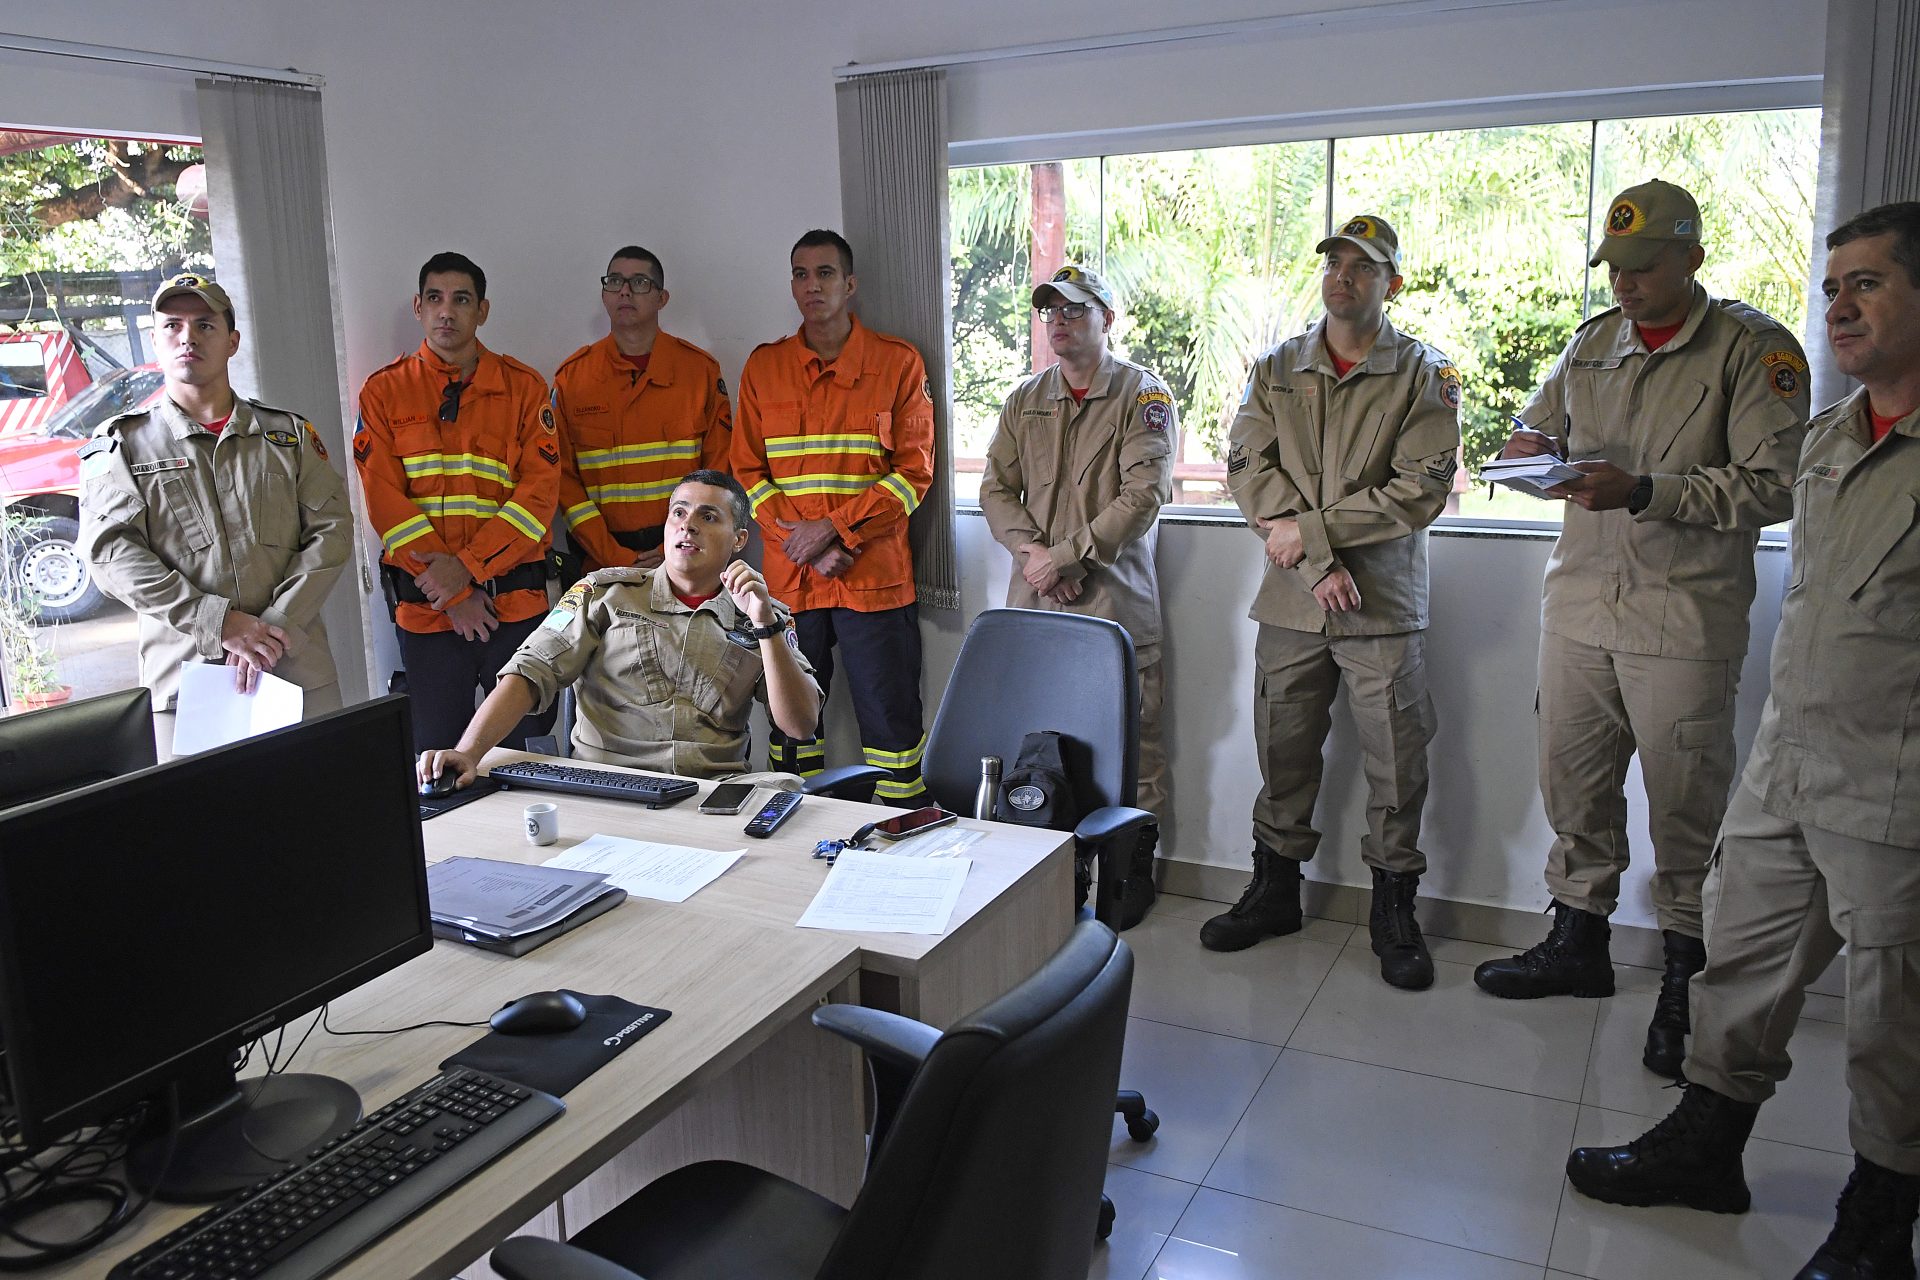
(50, 565)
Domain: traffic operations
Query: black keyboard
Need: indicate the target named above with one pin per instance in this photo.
(642, 788)
(353, 1190)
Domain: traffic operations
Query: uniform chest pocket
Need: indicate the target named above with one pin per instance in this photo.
(780, 418)
(190, 521)
(1682, 430)
(883, 428)
(644, 655)
(1883, 580)
(726, 681)
(1365, 442)
(276, 511)
(1296, 432)
(590, 430)
(1093, 446)
(1590, 426)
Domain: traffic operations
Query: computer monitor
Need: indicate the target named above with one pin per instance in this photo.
(153, 925)
(43, 753)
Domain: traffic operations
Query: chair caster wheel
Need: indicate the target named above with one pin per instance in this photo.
(1143, 1128)
(1105, 1226)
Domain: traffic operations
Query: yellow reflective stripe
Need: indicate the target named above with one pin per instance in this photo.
(581, 512)
(896, 759)
(406, 531)
(456, 504)
(667, 451)
(826, 482)
(523, 520)
(456, 464)
(900, 489)
(794, 446)
(652, 491)
(889, 789)
(762, 492)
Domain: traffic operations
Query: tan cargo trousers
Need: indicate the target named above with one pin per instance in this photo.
(1781, 899)
(1596, 709)
(1297, 674)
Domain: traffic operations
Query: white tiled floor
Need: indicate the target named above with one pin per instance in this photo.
(1315, 1122)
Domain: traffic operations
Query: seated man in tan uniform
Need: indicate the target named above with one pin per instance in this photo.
(669, 660)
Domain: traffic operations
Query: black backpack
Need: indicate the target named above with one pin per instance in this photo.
(1036, 792)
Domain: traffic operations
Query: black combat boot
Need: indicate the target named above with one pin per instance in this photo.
(1404, 961)
(1269, 908)
(1667, 1033)
(1138, 894)
(1872, 1231)
(1691, 1158)
(1571, 961)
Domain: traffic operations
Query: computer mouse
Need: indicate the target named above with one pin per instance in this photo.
(440, 786)
(541, 1013)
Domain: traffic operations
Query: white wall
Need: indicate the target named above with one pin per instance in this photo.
(537, 137)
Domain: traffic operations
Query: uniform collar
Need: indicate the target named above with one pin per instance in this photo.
(1056, 386)
(242, 423)
(663, 362)
(1628, 341)
(1856, 419)
(489, 374)
(1315, 357)
(854, 358)
(663, 600)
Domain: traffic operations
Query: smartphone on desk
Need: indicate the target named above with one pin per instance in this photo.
(728, 797)
(912, 824)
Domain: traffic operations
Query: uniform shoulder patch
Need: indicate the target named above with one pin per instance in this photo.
(1449, 385)
(1156, 408)
(546, 419)
(313, 438)
(1786, 372)
(720, 385)
(549, 454)
(99, 444)
(285, 439)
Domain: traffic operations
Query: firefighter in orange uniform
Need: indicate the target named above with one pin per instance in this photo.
(835, 447)
(459, 455)
(637, 410)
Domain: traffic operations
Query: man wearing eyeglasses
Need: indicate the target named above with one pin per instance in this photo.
(217, 519)
(1342, 453)
(637, 410)
(459, 454)
(835, 447)
(1686, 412)
(1076, 474)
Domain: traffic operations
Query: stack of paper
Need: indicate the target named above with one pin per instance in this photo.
(663, 872)
(485, 899)
(1533, 475)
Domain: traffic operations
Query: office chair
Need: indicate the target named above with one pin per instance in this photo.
(850, 782)
(1022, 670)
(998, 1139)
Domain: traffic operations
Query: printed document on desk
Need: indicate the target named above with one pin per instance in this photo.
(505, 900)
(881, 893)
(663, 872)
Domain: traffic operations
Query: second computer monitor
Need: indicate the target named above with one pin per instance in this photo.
(43, 753)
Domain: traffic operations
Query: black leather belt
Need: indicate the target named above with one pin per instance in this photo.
(526, 577)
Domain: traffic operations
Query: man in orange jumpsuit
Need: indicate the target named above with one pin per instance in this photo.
(638, 410)
(459, 455)
(835, 447)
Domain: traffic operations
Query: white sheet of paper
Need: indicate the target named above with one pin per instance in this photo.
(663, 872)
(1532, 476)
(212, 713)
(881, 893)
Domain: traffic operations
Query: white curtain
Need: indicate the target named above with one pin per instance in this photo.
(1869, 139)
(893, 188)
(273, 254)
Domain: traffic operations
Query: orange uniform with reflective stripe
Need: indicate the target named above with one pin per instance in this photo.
(627, 437)
(482, 487)
(851, 442)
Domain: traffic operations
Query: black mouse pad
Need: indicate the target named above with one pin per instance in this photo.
(555, 1062)
(434, 806)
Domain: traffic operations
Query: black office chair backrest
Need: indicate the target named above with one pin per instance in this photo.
(995, 1162)
(1021, 670)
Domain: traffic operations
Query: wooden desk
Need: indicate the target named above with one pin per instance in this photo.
(1015, 911)
(719, 1078)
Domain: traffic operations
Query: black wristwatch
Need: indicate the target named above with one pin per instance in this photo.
(1642, 495)
(767, 632)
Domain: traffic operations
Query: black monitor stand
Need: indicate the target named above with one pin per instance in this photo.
(232, 1132)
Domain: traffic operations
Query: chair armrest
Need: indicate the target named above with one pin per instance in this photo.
(545, 744)
(532, 1258)
(848, 782)
(899, 1041)
(1105, 825)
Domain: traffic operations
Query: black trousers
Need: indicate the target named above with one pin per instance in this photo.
(444, 670)
(881, 652)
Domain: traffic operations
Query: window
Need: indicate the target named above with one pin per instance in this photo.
(1211, 253)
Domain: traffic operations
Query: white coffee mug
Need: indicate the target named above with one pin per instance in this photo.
(543, 823)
